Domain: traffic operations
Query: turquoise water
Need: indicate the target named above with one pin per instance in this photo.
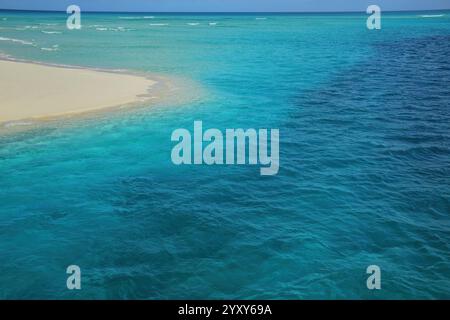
(364, 122)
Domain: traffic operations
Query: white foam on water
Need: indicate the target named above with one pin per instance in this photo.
(50, 49)
(213, 23)
(51, 32)
(432, 15)
(158, 24)
(193, 24)
(260, 18)
(4, 55)
(136, 18)
(24, 42)
(119, 29)
(17, 123)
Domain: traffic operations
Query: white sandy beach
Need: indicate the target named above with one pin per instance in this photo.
(29, 90)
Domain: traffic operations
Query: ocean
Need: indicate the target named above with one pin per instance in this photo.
(364, 124)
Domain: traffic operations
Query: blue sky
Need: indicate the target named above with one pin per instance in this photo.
(224, 5)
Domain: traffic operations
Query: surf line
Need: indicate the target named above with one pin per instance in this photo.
(232, 151)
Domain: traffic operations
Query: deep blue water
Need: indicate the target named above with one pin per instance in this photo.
(364, 173)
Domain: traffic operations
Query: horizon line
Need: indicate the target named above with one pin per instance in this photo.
(222, 12)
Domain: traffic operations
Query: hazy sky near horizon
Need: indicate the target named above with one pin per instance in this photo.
(224, 5)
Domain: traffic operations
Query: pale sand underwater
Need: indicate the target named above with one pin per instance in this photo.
(38, 91)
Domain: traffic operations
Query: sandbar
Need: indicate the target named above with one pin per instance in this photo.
(32, 91)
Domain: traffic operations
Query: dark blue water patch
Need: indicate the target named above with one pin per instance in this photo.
(381, 131)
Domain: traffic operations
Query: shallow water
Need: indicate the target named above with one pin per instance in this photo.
(365, 161)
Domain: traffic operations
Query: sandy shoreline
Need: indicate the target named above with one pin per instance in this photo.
(36, 91)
